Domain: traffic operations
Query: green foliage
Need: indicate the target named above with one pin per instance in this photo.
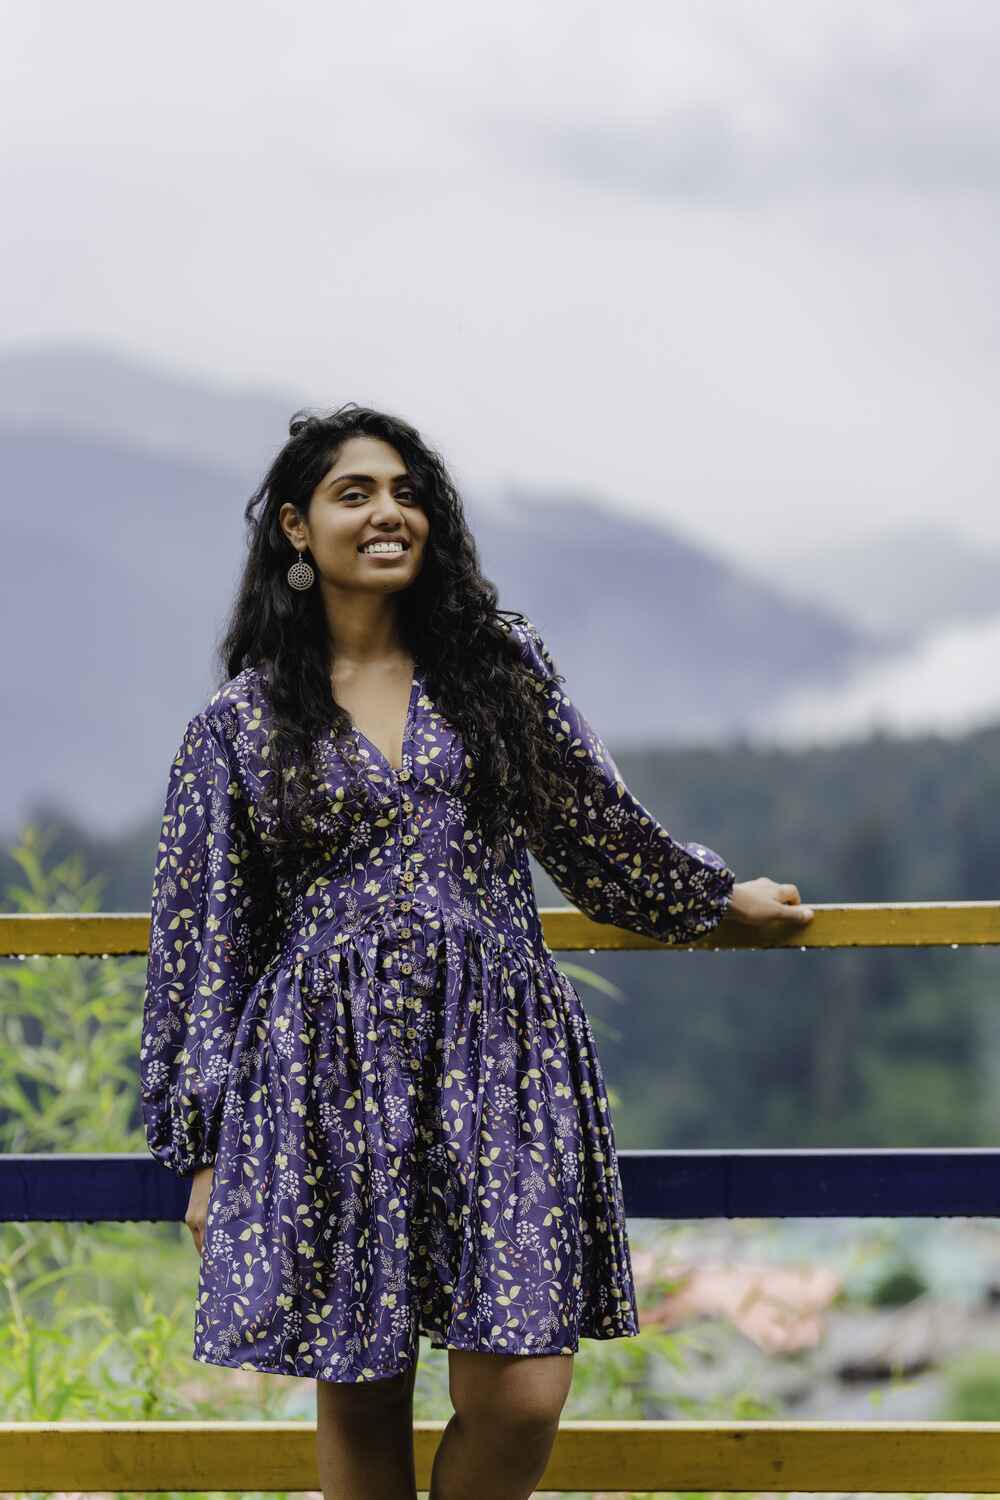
(899, 1285)
(973, 1393)
(69, 1027)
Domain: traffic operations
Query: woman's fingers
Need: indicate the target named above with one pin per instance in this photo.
(794, 912)
(787, 895)
(789, 903)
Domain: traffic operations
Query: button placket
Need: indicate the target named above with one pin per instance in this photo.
(407, 839)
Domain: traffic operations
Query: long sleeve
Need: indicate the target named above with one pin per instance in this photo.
(205, 914)
(604, 850)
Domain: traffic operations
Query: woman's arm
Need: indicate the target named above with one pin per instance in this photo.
(206, 911)
(605, 851)
(610, 855)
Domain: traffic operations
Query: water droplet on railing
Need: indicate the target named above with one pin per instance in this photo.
(591, 950)
(954, 945)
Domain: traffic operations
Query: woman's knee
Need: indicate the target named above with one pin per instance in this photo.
(511, 1394)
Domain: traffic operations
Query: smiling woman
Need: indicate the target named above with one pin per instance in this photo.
(355, 1038)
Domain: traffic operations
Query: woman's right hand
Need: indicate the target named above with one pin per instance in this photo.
(197, 1209)
(765, 903)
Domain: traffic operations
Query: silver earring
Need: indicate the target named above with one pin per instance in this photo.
(300, 574)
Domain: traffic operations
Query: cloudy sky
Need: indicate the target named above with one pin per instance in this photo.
(731, 265)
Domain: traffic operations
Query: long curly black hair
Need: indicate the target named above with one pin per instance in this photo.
(448, 619)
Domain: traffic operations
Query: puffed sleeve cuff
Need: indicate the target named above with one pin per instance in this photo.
(712, 880)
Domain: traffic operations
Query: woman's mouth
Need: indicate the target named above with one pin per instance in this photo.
(382, 549)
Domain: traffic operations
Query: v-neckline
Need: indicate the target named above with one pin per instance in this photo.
(407, 725)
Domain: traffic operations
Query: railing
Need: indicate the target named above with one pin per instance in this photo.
(892, 1457)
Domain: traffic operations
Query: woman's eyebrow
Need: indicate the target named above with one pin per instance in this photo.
(362, 478)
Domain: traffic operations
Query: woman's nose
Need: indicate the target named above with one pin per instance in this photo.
(387, 508)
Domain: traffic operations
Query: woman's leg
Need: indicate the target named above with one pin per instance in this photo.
(364, 1438)
(507, 1409)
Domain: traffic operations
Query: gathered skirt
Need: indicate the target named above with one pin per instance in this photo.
(415, 1138)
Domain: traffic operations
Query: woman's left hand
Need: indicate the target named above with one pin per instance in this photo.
(766, 903)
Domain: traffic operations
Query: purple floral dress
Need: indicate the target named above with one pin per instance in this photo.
(398, 1088)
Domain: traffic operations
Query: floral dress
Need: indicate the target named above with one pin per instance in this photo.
(399, 1090)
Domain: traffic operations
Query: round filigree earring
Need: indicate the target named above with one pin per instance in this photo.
(300, 574)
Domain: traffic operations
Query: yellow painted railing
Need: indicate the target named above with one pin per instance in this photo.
(620, 1457)
(883, 924)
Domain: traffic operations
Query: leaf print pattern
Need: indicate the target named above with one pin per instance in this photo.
(398, 1088)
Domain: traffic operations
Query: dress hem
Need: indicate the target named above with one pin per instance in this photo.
(245, 1364)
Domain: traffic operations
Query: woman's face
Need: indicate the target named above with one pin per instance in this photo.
(366, 496)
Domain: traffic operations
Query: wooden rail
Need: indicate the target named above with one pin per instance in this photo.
(875, 924)
(620, 1457)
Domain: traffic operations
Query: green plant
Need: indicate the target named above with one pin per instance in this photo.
(898, 1285)
(973, 1389)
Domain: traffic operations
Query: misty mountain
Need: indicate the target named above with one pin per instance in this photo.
(125, 539)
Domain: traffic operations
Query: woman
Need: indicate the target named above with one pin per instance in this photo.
(356, 1042)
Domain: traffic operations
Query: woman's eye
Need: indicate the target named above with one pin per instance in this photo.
(406, 494)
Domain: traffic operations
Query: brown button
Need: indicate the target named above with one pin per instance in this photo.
(407, 806)
(406, 932)
(407, 875)
(403, 775)
(406, 906)
(408, 838)
(406, 968)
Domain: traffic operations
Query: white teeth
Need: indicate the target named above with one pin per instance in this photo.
(383, 547)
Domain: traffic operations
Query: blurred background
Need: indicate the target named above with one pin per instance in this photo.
(705, 293)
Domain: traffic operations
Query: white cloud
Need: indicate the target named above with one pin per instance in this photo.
(948, 686)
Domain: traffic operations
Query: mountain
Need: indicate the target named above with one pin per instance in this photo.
(78, 387)
(125, 536)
